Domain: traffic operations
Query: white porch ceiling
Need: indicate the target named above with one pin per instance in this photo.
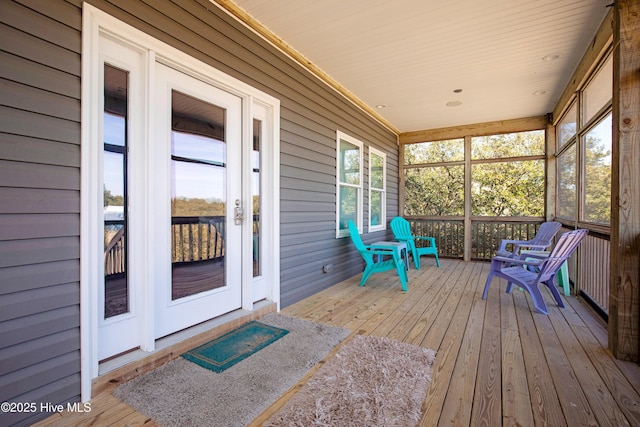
(411, 55)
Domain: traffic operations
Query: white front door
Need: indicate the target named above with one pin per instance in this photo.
(191, 177)
(173, 151)
(198, 156)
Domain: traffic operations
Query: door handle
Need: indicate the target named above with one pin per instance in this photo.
(238, 213)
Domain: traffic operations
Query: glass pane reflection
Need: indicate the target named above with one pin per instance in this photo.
(116, 286)
(198, 196)
(256, 186)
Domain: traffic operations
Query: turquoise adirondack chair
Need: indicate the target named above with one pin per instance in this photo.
(402, 233)
(375, 263)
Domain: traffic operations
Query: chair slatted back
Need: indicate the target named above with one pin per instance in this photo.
(401, 228)
(567, 243)
(546, 233)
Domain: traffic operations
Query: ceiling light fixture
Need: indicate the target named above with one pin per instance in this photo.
(457, 90)
(454, 103)
(551, 57)
(381, 106)
(539, 92)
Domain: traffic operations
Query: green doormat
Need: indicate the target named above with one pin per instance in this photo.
(232, 347)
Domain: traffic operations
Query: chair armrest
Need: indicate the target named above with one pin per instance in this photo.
(534, 255)
(505, 242)
(506, 254)
(431, 240)
(533, 263)
(525, 245)
(403, 239)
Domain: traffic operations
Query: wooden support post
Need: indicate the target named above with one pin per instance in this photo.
(551, 172)
(467, 199)
(624, 311)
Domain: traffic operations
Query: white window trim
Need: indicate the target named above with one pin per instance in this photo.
(383, 190)
(343, 136)
(97, 23)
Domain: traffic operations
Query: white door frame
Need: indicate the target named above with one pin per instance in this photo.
(174, 315)
(97, 24)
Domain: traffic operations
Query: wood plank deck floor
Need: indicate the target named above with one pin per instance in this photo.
(498, 362)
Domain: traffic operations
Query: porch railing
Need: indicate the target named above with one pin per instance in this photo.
(588, 268)
(485, 234)
(198, 238)
(449, 235)
(114, 253)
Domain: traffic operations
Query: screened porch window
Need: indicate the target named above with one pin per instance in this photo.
(434, 178)
(597, 173)
(507, 174)
(567, 188)
(584, 142)
(471, 191)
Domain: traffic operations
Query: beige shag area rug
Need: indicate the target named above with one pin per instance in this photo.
(371, 381)
(183, 394)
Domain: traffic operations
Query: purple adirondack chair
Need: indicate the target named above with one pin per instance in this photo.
(542, 240)
(515, 270)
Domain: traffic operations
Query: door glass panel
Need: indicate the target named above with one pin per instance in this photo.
(256, 185)
(116, 290)
(198, 196)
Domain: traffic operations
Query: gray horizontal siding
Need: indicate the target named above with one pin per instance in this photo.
(27, 328)
(38, 175)
(37, 200)
(36, 351)
(40, 51)
(40, 45)
(25, 303)
(27, 123)
(34, 251)
(22, 16)
(35, 100)
(16, 226)
(36, 150)
(24, 71)
(42, 274)
(41, 374)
